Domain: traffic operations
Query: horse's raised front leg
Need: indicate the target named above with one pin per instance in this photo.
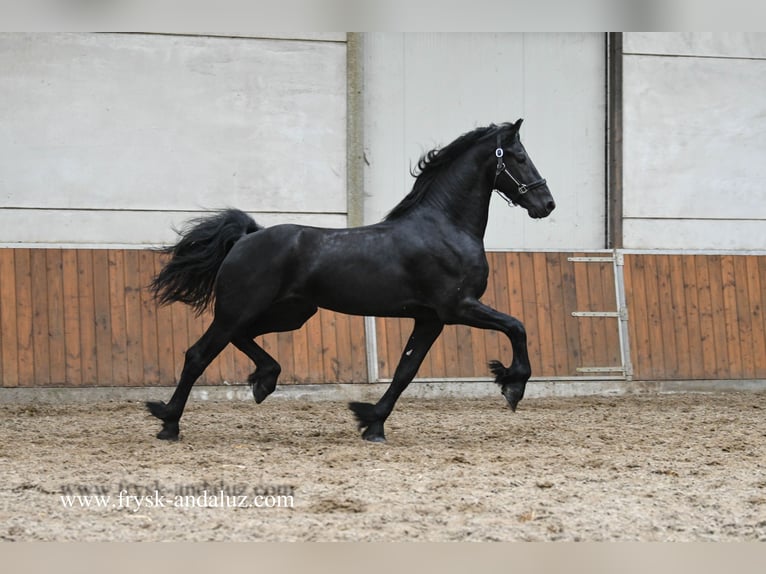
(198, 357)
(513, 379)
(371, 417)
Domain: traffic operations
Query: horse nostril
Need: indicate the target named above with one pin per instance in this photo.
(550, 206)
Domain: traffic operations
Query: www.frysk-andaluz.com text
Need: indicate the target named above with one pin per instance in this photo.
(135, 497)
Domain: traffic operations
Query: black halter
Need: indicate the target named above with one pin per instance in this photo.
(521, 188)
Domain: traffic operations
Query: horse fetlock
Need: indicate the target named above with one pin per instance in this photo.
(370, 422)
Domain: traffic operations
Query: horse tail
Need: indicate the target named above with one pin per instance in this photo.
(189, 276)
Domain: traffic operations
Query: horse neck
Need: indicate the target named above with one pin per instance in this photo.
(462, 197)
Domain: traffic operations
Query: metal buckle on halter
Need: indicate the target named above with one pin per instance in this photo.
(523, 189)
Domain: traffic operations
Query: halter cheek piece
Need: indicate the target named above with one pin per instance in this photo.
(521, 188)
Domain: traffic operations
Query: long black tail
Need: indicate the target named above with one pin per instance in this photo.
(189, 275)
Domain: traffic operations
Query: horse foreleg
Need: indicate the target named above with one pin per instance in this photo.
(513, 379)
(371, 417)
(197, 358)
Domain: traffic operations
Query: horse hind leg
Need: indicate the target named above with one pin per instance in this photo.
(263, 380)
(371, 418)
(287, 316)
(197, 358)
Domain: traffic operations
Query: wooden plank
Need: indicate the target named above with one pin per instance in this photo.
(39, 299)
(24, 321)
(693, 337)
(88, 353)
(449, 340)
(149, 342)
(435, 364)
(117, 322)
(756, 295)
(557, 315)
(300, 352)
(464, 351)
(707, 321)
(330, 352)
(721, 347)
(9, 351)
(761, 326)
(315, 368)
(731, 321)
(654, 310)
(166, 336)
(345, 368)
(132, 296)
(71, 302)
(635, 293)
(744, 317)
(57, 341)
(286, 358)
(666, 275)
(181, 339)
(102, 315)
(394, 336)
(358, 350)
(381, 337)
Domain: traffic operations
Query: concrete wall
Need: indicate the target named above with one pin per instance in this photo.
(113, 138)
(424, 90)
(694, 138)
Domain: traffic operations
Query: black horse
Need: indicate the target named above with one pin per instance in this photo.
(425, 261)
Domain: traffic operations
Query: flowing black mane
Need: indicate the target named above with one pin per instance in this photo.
(432, 163)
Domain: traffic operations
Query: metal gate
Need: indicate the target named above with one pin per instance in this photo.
(625, 369)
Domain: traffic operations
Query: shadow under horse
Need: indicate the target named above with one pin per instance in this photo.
(424, 261)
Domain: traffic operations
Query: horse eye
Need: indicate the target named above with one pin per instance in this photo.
(520, 157)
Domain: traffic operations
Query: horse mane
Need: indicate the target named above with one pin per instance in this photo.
(432, 163)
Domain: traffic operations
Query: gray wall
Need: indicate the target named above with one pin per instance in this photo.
(694, 138)
(424, 90)
(111, 138)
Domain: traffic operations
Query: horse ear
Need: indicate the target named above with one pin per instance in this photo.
(517, 125)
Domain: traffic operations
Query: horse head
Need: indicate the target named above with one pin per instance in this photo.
(516, 177)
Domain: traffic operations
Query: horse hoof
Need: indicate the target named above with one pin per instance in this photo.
(259, 393)
(168, 434)
(374, 438)
(374, 433)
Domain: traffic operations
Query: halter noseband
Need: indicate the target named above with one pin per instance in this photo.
(522, 188)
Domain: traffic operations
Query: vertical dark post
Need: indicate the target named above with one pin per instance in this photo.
(614, 232)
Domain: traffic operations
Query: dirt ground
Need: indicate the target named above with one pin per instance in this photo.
(645, 468)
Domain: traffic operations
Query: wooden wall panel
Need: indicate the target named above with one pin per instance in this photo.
(696, 316)
(84, 317)
(542, 290)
